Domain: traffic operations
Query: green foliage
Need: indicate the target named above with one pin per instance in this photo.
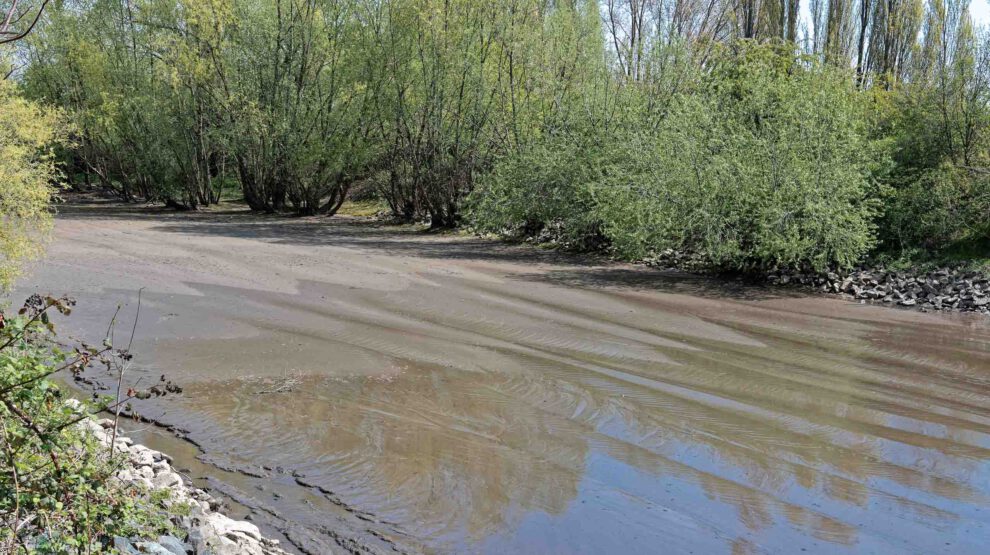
(765, 164)
(57, 492)
(939, 184)
(302, 100)
(547, 187)
(941, 207)
(28, 131)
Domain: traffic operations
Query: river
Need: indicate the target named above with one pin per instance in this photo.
(367, 388)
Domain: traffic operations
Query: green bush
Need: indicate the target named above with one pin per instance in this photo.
(57, 491)
(544, 189)
(28, 130)
(940, 207)
(766, 164)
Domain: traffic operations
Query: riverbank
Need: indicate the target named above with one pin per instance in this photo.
(201, 528)
(942, 289)
(955, 288)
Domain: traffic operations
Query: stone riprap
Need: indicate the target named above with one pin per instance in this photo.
(941, 289)
(193, 511)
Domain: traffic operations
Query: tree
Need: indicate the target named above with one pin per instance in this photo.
(27, 171)
(19, 19)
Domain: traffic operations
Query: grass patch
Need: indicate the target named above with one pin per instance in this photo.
(362, 208)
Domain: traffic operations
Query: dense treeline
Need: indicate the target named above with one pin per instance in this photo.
(737, 131)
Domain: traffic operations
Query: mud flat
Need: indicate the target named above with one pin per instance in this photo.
(370, 389)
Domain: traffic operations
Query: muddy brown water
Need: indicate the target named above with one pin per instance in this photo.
(373, 389)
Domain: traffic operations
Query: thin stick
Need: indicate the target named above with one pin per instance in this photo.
(120, 374)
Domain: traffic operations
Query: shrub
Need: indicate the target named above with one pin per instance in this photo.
(57, 494)
(27, 173)
(770, 168)
(545, 188)
(940, 207)
(766, 164)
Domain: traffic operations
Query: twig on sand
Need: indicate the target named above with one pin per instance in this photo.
(285, 385)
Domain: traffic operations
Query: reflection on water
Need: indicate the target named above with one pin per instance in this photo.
(498, 406)
(589, 420)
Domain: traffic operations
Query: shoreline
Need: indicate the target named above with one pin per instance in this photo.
(954, 288)
(940, 290)
(193, 511)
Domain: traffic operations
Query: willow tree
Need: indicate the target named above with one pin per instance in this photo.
(28, 172)
(437, 112)
(298, 90)
(136, 78)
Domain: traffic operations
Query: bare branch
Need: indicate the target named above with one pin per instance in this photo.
(7, 20)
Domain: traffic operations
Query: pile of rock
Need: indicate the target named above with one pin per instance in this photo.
(670, 259)
(195, 511)
(942, 289)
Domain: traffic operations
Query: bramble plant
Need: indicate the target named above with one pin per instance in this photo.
(58, 493)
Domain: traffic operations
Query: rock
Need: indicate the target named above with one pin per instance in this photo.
(141, 457)
(154, 548)
(160, 466)
(167, 479)
(198, 538)
(90, 425)
(941, 289)
(241, 527)
(205, 540)
(124, 546)
(174, 545)
(226, 546)
(209, 531)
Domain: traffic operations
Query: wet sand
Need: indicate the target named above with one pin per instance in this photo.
(375, 389)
